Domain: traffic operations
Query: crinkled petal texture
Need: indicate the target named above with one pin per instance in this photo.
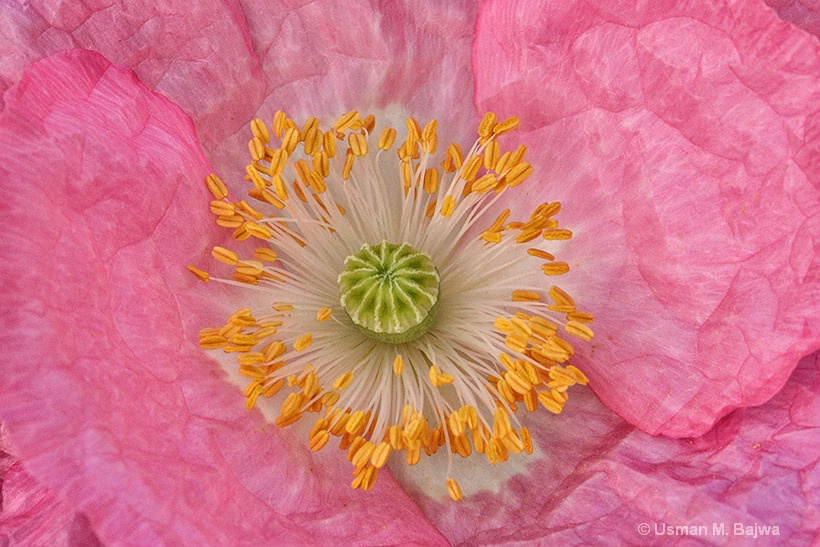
(226, 62)
(802, 13)
(603, 479)
(105, 394)
(683, 141)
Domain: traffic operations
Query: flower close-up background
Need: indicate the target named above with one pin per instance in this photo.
(681, 138)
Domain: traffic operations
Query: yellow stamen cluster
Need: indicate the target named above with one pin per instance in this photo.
(318, 195)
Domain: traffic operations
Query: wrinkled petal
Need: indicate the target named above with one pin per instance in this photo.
(224, 63)
(604, 478)
(31, 514)
(201, 59)
(802, 13)
(683, 143)
(107, 398)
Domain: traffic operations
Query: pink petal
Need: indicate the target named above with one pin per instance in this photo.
(802, 13)
(683, 144)
(225, 63)
(602, 478)
(31, 513)
(106, 397)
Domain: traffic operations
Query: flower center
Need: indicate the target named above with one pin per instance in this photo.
(432, 339)
(390, 292)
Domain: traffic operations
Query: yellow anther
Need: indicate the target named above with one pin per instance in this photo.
(406, 175)
(485, 183)
(324, 314)
(470, 169)
(516, 343)
(232, 221)
(438, 379)
(503, 325)
(579, 329)
(246, 208)
(311, 124)
(303, 342)
(292, 404)
(398, 365)
(413, 455)
(222, 208)
(580, 377)
(317, 183)
(290, 140)
(527, 236)
(559, 296)
(278, 161)
(257, 230)
(216, 186)
(507, 125)
(518, 174)
(369, 123)
(380, 454)
(513, 443)
(260, 130)
(346, 121)
(550, 403)
(499, 221)
(431, 180)
(538, 253)
(266, 196)
(256, 146)
(580, 317)
(244, 340)
(429, 139)
(363, 454)
(517, 383)
(343, 381)
(562, 375)
(413, 128)
(225, 255)
(525, 296)
(491, 155)
(520, 327)
(358, 144)
(504, 163)
(355, 424)
(321, 163)
(555, 268)
(557, 234)
(488, 122)
(265, 253)
(455, 156)
(448, 206)
(455, 424)
(501, 423)
(319, 440)
(279, 123)
(348, 166)
(387, 138)
(491, 237)
(213, 342)
(329, 144)
(202, 275)
(274, 350)
(282, 306)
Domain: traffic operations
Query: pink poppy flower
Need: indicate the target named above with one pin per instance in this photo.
(702, 293)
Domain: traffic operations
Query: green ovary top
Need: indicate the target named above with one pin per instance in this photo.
(390, 292)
